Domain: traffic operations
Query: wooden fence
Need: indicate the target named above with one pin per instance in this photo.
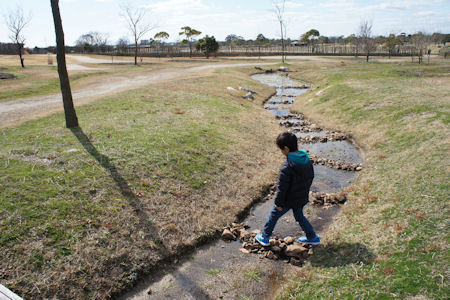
(321, 49)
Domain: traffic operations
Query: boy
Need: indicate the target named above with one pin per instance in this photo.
(294, 181)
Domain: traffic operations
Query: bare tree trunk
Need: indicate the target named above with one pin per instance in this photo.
(19, 47)
(135, 52)
(282, 42)
(69, 109)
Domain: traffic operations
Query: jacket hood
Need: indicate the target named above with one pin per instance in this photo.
(298, 158)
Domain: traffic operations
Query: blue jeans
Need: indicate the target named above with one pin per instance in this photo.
(275, 214)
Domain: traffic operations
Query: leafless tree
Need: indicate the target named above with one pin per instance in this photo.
(365, 37)
(421, 42)
(135, 18)
(122, 44)
(279, 13)
(69, 109)
(93, 41)
(16, 21)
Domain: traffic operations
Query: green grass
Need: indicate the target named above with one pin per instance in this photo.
(254, 274)
(391, 240)
(213, 272)
(139, 135)
(41, 87)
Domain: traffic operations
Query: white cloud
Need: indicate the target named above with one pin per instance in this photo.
(177, 6)
(425, 13)
(290, 4)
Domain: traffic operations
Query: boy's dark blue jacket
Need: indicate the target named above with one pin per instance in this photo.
(294, 181)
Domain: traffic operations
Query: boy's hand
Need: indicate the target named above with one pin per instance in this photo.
(278, 208)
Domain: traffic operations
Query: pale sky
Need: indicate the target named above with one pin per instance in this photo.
(222, 17)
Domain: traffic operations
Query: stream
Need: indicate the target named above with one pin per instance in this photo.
(219, 270)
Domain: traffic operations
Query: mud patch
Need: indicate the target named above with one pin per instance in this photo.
(5, 76)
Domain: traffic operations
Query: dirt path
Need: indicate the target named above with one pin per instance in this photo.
(21, 110)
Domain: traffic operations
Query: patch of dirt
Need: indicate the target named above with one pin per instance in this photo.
(7, 76)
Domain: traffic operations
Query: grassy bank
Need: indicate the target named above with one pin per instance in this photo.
(36, 81)
(391, 240)
(84, 213)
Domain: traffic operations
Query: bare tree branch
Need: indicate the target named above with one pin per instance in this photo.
(16, 21)
(135, 18)
(365, 37)
(279, 13)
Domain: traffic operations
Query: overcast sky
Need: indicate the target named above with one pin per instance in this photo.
(246, 18)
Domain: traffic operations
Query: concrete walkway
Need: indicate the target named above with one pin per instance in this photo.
(6, 294)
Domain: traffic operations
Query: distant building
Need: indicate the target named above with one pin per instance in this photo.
(146, 42)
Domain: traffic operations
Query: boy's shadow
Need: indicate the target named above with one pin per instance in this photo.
(125, 189)
(338, 255)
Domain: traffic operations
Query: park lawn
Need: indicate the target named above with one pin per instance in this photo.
(38, 80)
(150, 173)
(391, 239)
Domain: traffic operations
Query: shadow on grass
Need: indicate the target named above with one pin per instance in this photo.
(338, 255)
(125, 189)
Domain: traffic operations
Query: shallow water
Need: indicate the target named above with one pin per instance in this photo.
(275, 79)
(290, 91)
(338, 150)
(215, 270)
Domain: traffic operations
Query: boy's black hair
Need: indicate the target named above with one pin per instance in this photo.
(287, 139)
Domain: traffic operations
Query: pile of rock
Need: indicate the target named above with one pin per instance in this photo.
(291, 116)
(236, 231)
(280, 101)
(329, 137)
(265, 71)
(335, 164)
(287, 249)
(327, 199)
(290, 123)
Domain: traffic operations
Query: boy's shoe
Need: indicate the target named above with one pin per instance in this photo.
(314, 241)
(262, 240)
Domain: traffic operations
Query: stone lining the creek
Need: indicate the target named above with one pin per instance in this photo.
(289, 249)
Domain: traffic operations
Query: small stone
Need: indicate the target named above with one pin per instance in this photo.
(295, 250)
(149, 291)
(289, 240)
(341, 197)
(244, 234)
(236, 231)
(276, 249)
(243, 250)
(359, 168)
(228, 235)
(274, 242)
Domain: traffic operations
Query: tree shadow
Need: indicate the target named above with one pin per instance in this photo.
(342, 254)
(145, 223)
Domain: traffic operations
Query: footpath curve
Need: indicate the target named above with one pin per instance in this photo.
(18, 111)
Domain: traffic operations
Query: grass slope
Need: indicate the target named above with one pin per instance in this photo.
(391, 240)
(84, 213)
